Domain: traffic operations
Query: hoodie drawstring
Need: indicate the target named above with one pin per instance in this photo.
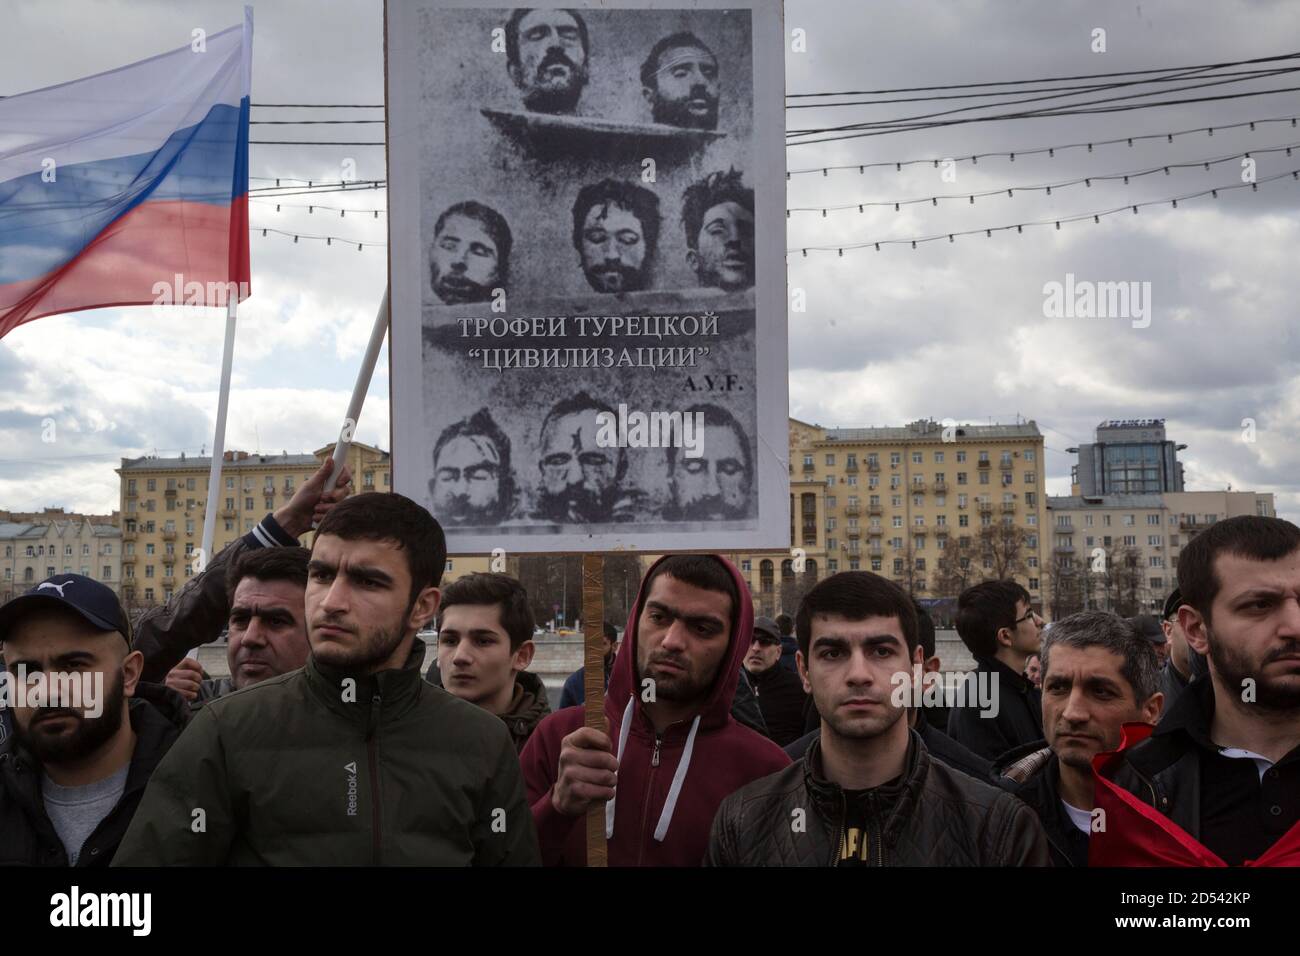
(665, 818)
(622, 744)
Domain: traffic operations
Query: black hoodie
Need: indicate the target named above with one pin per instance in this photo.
(28, 838)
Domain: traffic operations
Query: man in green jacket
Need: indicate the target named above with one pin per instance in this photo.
(353, 760)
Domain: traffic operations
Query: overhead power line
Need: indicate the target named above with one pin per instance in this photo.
(1050, 79)
(973, 158)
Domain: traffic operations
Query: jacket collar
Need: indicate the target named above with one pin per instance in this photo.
(1018, 682)
(1191, 713)
(396, 688)
(893, 802)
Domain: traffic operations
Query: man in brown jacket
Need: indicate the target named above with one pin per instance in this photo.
(867, 793)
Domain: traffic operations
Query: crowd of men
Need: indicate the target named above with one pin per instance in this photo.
(810, 740)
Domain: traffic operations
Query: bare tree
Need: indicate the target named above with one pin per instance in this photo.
(1069, 583)
(908, 575)
(794, 588)
(1004, 545)
(956, 570)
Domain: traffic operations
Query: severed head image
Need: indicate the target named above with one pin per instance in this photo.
(616, 232)
(679, 79)
(718, 216)
(470, 256)
(472, 483)
(581, 480)
(546, 54)
(718, 484)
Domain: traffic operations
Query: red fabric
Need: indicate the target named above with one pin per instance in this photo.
(152, 243)
(727, 756)
(1136, 834)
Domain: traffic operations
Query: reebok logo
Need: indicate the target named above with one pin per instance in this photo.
(351, 769)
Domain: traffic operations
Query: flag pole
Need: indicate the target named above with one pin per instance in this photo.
(359, 391)
(218, 446)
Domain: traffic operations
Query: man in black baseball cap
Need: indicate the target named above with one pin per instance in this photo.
(87, 732)
(1147, 627)
(780, 693)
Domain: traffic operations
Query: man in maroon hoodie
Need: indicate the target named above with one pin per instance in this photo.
(679, 753)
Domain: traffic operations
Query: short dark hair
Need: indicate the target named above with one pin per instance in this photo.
(582, 402)
(388, 516)
(512, 33)
(984, 609)
(268, 564)
(611, 633)
(1109, 631)
(1248, 536)
(650, 68)
(705, 571)
(492, 221)
(785, 624)
(717, 417)
(501, 590)
(482, 423)
(924, 629)
(638, 200)
(713, 190)
(856, 595)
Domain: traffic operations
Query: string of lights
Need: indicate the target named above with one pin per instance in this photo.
(1085, 181)
(1096, 217)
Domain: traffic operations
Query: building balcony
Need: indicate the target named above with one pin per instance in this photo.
(919, 529)
(875, 550)
(985, 507)
(1006, 465)
(853, 532)
(132, 493)
(851, 467)
(128, 535)
(851, 509)
(917, 487)
(1064, 549)
(1067, 528)
(940, 487)
(286, 492)
(809, 467)
(875, 509)
(873, 466)
(1008, 507)
(983, 464)
(229, 513)
(169, 534)
(1191, 524)
(170, 493)
(128, 559)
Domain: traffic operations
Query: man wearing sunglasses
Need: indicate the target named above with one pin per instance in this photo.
(1000, 708)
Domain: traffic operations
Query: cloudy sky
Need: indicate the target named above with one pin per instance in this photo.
(948, 330)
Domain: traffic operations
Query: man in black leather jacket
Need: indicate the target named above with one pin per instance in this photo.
(867, 791)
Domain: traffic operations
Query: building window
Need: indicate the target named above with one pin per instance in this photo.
(230, 483)
(830, 458)
(895, 458)
(1033, 584)
(1129, 521)
(832, 564)
(1030, 477)
(961, 456)
(938, 458)
(746, 565)
(151, 484)
(916, 458)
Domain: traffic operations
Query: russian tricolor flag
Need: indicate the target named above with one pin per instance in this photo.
(115, 185)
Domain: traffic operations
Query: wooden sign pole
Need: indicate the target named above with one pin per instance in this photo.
(593, 633)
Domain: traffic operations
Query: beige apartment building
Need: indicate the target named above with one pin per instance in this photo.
(163, 502)
(933, 507)
(34, 551)
(1120, 552)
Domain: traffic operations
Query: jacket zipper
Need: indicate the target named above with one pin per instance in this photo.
(645, 806)
(372, 755)
(844, 816)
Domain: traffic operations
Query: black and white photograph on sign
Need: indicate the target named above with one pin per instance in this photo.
(588, 291)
